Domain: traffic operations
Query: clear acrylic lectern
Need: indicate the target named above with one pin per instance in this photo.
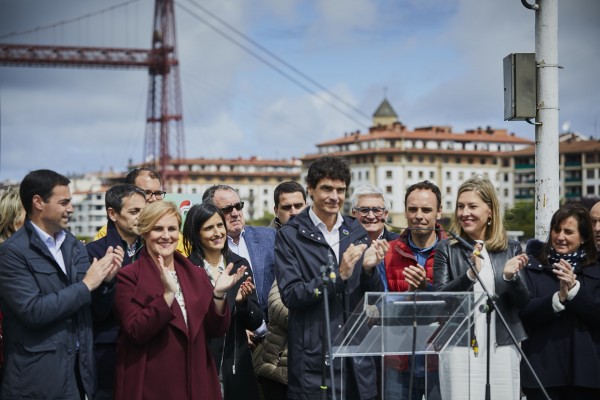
(412, 337)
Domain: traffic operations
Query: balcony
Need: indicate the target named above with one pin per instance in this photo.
(524, 166)
(524, 196)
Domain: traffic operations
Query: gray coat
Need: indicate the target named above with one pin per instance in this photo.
(47, 317)
(300, 250)
(450, 275)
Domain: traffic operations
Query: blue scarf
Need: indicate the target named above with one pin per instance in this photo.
(576, 259)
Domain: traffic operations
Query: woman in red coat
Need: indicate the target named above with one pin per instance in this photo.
(168, 310)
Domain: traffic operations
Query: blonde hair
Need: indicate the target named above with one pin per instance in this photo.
(11, 212)
(152, 212)
(495, 233)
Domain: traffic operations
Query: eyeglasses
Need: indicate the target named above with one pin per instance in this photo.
(288, 207)
(364, 211)
(159, 194)
(229, 209)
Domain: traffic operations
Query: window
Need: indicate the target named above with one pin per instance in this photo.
(590, 190)
(590, 174)
(448, 190)
(457, 160)
(388, 189)
(431, 174)
(409, 174)
(448, 175)
(420, 174)
(461, 175)
(388, 174)
(390, 158)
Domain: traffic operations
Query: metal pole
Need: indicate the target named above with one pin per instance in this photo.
(547, 163)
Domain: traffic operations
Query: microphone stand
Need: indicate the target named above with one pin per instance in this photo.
(491, 305)
(414, 347)
(327, 275)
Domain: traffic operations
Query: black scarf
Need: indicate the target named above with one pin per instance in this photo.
(576, 259)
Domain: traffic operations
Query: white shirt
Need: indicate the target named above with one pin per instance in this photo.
(53, 244)
(331, 237)
(240, 248)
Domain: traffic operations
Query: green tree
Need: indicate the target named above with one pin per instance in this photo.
(521, 218)
(265, 220)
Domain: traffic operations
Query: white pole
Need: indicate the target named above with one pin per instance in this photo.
(547, 164)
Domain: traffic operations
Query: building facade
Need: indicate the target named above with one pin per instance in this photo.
(393, 157)
(579, 171)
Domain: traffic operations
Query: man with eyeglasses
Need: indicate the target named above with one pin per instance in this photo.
(290, 199)
(254, 243)
(149, 181)
(371, 208)
(321, 237)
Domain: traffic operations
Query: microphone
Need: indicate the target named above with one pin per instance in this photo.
(331, 266)
(465, 244)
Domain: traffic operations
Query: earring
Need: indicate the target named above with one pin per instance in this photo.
(489, 222)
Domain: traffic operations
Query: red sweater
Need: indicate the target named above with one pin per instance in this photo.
(398, 257)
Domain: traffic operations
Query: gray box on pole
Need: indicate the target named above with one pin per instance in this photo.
(520, 86)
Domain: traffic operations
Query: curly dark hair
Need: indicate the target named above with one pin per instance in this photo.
(328, 167)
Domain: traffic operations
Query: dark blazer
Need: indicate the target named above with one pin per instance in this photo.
(47, 313)
(389, 235)
(231, 353)
(261, 242)
(564, 347)
(158, 355)
(300, 250)
(450, 267)
(106, 330)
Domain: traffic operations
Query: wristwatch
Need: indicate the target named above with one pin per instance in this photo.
(220, 298)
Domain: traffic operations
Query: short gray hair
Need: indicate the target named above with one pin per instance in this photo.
(369, 190)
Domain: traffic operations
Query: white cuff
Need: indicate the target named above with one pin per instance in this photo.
(557, 306)
(573, 291)
(471, 278)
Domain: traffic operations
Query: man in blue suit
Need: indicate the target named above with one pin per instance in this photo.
(255, 243)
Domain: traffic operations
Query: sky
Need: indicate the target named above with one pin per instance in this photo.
(438, 62)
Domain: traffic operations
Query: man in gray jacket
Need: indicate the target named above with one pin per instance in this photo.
(48, 293)
(320, 236)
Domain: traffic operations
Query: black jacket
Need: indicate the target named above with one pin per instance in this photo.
(300, 251)
(450, 275)
(231, 353)
(564, 347)
(106, 330)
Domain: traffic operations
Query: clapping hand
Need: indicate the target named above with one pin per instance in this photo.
(225, 281)
(245, 290)
(566, 277)
(415, 276)
(375, 253)
(514, 265)
(349, 259)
